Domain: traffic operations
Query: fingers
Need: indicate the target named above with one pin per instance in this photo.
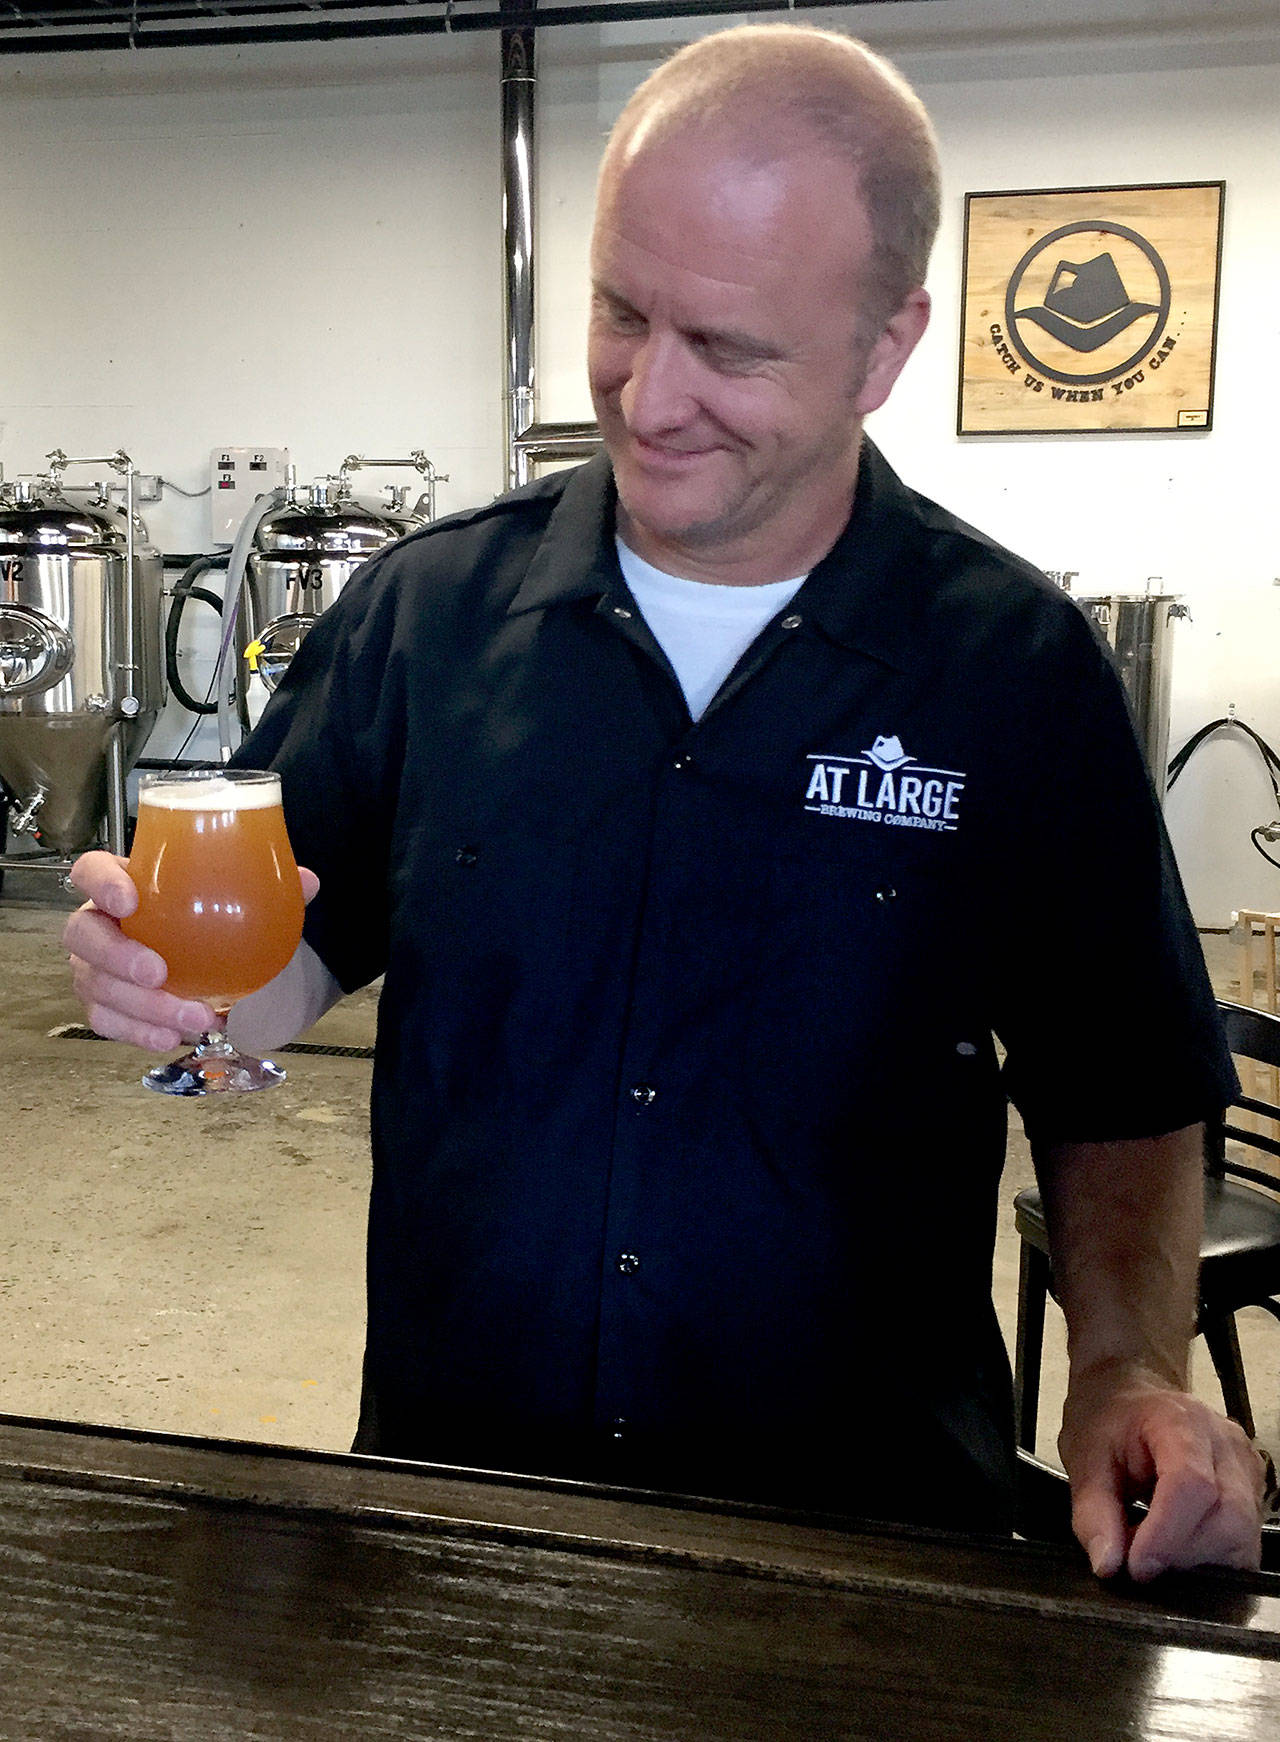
(117, 980)
(121, 1010)
(1099, 1463)
(1204, 1479)
(1100, 1522)
(1206, 1506)
(95, 938)
(1179, 1527)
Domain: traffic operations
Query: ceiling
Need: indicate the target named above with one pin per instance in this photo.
(42, 26)
(993, 30)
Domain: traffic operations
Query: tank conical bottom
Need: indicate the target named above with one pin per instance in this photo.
(66, 756)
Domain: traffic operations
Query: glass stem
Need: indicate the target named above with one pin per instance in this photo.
(215, 1044)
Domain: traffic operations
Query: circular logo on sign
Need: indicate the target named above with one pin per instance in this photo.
(1085, 310)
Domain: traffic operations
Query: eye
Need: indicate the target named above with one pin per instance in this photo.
(617, 316)
(724, 356)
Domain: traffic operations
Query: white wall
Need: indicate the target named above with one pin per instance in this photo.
(301, 246)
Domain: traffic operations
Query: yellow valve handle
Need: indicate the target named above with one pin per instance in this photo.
(253, 653)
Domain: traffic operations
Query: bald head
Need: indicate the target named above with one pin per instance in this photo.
(776, 88)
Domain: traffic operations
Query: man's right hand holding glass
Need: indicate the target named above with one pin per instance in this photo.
(120, 982)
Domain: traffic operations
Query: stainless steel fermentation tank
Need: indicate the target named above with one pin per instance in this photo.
(305, 550)
(82, 677)
(1138, 628)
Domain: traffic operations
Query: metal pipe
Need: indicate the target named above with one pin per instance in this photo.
(553, 441)
(58, 461)
(526, 440)
(117, 775)
(129, 700)
(519, 87)
(117, 799)
(38, 862)
(417, 459)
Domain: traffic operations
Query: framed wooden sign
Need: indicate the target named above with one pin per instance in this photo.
(1090, 309)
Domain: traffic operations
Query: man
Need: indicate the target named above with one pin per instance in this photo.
(699, 806)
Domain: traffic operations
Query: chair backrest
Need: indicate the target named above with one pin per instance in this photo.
(1254, 1035)
(1258, 931)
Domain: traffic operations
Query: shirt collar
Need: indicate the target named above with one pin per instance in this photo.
(576, 558)
(863, 594)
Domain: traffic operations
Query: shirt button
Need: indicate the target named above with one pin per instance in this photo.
(466, 856)
(628, 1263)
(644, 1094)
(886, 894)
(682, 761)
(618, 1426)
(792, 622)
(967, 1049)
(621, 611)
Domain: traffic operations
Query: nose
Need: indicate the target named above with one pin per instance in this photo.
(657, 396)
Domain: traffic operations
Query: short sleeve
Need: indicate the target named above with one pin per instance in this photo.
(333, 732)
(1103, 1000)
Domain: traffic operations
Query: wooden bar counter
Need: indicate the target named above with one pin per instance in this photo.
(176, 1589)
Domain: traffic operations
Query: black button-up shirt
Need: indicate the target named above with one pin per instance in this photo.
(687, 1115)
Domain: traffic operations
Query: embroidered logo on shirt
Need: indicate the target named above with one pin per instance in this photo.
(885, 785)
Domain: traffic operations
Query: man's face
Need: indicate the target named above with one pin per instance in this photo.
(724, 360)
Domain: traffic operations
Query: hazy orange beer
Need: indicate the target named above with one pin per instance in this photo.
(219, 895)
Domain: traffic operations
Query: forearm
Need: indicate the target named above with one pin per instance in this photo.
(1124, 1228)
(286, 1006)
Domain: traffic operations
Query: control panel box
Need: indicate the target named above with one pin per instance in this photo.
(238, 477)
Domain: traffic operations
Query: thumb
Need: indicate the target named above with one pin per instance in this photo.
(1101, 1526)
(310, 883)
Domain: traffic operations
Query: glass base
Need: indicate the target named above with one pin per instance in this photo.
(213, 1068)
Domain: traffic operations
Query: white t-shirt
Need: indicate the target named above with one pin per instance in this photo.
(702, 628)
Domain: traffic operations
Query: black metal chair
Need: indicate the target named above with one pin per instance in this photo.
(1239, 1255)
(1041, 1500)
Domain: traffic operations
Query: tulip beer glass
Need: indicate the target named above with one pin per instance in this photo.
(220, 899)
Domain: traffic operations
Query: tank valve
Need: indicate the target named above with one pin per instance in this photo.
(23, 819)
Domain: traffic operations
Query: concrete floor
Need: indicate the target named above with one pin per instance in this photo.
(197, 1266)
(194, 1266)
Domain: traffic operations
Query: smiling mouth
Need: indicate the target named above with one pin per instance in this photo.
(656, 454)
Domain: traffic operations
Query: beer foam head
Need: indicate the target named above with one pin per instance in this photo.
(216, 793)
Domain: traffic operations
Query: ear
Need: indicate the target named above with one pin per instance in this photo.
(902, 333)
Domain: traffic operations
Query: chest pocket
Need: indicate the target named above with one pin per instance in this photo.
(870, 950)
(486, 876)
